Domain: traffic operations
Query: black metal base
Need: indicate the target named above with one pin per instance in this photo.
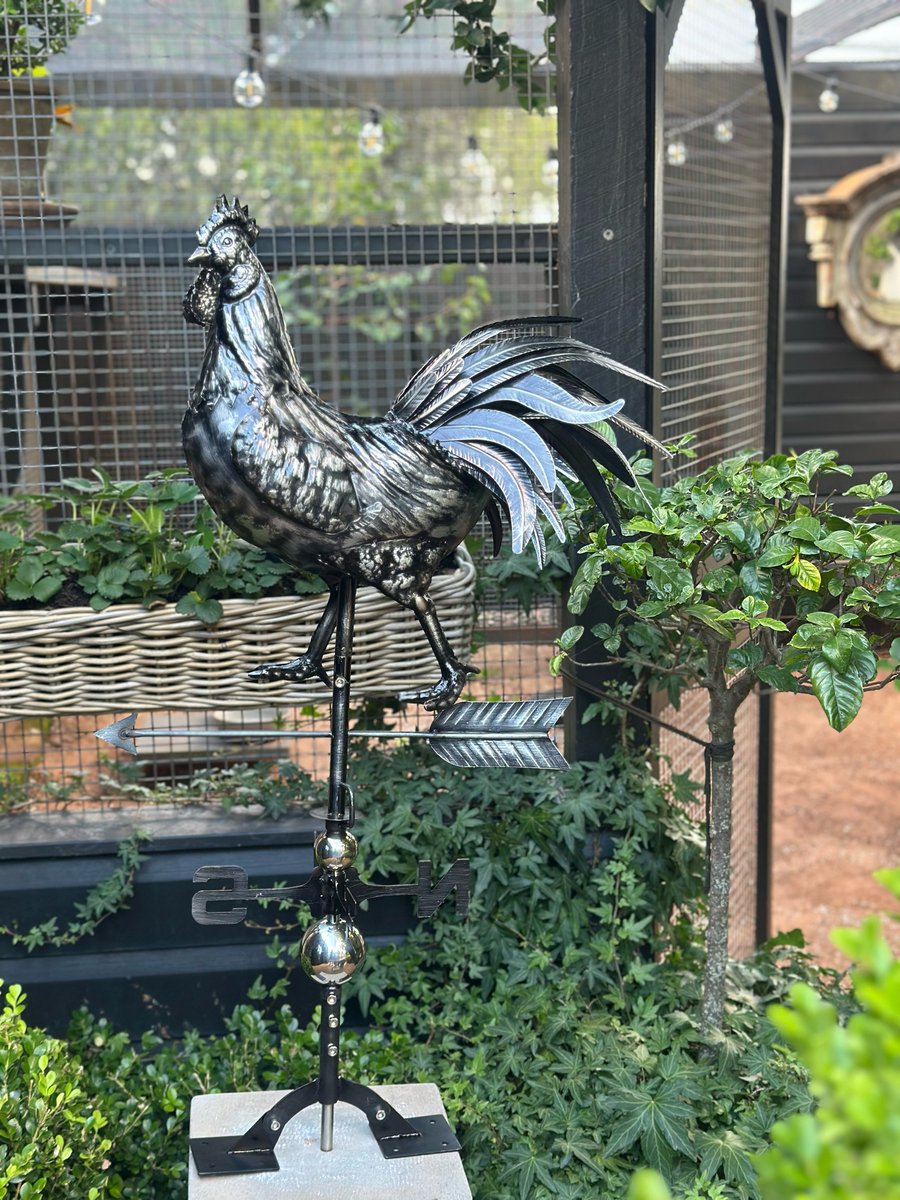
(435, 1137)
(217, 1156)
(254, 1151)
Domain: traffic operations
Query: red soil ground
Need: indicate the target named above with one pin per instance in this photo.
(837, 817)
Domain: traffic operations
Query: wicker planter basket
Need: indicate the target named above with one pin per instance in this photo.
(74, 660)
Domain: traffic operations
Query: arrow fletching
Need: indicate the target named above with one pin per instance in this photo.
(120, 734)
(502, 734)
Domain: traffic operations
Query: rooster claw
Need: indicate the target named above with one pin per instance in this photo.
(298, 670)
(445, 692)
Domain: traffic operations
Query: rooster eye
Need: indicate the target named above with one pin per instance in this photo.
(226, 241)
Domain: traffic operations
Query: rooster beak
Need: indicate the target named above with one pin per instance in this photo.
(200, 255)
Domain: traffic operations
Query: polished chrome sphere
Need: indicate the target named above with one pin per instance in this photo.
(335, 851)
(331, 950)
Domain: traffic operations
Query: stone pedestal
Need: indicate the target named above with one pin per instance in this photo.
(354, 1170)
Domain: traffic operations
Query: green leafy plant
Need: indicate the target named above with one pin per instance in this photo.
(847, 1148)
(148, 542)
(32, 30)
(53, 1141)
(746, 574)
(106, 898)
(559, 1021)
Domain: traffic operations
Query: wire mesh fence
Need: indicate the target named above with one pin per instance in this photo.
(399, 208)
(717, 198)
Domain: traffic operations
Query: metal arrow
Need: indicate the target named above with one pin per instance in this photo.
(489, 734)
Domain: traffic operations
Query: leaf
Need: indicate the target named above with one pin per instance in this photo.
(744, 657)
(777, 552)
(842, 542)
(754, 582)
(780, 678)
(727, 1152)
(670, 581)
(806, 574)
(840, 693)
(47, 586)
(837, 649)
(885, 543)
(570, 636)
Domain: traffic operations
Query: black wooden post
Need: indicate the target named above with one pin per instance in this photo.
(773, 24)
(608, 76)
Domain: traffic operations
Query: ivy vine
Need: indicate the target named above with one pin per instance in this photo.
(493, 55)
(107, 897)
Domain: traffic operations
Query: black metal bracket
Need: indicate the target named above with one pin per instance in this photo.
(397, 1136)
(344, 893)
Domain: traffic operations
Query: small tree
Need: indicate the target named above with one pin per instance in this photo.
(746, 574)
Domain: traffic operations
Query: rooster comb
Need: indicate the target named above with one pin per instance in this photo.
(228, 214)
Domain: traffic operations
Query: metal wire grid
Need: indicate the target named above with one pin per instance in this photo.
(97, 360)
(716, 200)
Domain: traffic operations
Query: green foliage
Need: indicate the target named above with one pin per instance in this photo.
(379, 304)
(32, 30)
(493, 55)
(749, 573)
(274, 789)
(109, 896)
(145, 542)
(559, 1020)
(847, 1149)
(53, 1136)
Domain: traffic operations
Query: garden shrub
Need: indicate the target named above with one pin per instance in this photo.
(559, 1020)
(849, 1147)
(53, 1138)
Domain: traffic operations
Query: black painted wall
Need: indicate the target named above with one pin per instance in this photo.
(837, 396)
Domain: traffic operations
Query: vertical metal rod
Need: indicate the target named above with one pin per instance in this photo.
(340, 704)
(337, 819)
(329, 1054)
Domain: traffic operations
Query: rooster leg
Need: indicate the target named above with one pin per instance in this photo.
(308, 665)
(453, 672)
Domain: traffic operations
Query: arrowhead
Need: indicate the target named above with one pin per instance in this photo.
(500, 734)
(120, 734)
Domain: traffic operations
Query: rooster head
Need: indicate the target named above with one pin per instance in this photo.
(226, 237)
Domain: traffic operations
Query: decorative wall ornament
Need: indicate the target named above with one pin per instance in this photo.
(853, 231)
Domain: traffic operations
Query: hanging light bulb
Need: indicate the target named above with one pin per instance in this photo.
(91, 14)
(249, 90)
(371, 136)
(723, 131)
(676, 154)
(829, 100)
(473, 161)
(550, 169)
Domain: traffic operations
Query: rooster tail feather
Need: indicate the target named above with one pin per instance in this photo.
(509, 481)
(511, 433)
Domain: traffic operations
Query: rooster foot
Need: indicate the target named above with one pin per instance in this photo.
(298, 670)
(445, 692)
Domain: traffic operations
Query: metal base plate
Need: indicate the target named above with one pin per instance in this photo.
(436, 1138)
(212, 1157)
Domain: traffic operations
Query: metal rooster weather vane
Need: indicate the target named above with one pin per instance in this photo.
(497, 423)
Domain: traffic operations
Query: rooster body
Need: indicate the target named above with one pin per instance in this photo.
(382, 499)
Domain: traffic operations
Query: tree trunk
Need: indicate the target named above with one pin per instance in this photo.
(721, 772)
(713, 1004)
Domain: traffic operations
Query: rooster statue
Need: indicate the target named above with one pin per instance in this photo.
(497, 422)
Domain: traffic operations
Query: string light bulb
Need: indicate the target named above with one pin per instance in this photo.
(829, 100)
(371, 136)
(473, 161)
(91, 14)
(676, 154)
(550, 169)
(249, 89)
(723, 131)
